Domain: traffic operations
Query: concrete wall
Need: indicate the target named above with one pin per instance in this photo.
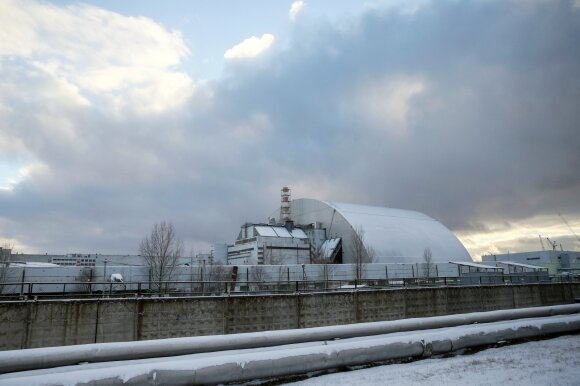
(29, 324)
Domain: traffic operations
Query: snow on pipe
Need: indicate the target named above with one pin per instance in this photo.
(229, 367)
(29, 359)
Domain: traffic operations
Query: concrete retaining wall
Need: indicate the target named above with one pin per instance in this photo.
(30, 324)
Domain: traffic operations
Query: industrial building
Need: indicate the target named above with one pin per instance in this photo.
(331, 232)
(557, 262)
(270, 244)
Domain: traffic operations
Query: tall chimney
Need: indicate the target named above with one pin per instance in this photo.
(285, 204)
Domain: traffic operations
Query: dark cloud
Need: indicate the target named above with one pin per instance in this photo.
(465, 111)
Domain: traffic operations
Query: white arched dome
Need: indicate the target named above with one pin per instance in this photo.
(395, 235)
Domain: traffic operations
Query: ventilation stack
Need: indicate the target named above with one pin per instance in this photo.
(285, 204)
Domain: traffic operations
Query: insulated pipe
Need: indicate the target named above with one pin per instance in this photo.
(260, 364)
(40, 358)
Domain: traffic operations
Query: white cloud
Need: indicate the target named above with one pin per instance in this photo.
(386, 103)
(17, 175)
(250, 48)
(402, 7)
(99, 54)
(295, 9)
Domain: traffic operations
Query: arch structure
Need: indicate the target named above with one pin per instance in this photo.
(390, 235)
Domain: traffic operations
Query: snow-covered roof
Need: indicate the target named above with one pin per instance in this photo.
(475, 265)
(329, 246)
(521, 265)
(280, 231)
(265, 231)
(32, 264)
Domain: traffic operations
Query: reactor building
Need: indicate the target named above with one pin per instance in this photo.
(314, 231)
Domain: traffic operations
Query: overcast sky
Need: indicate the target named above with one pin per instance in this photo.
(115, 115)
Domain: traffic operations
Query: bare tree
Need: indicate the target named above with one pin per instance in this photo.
(260, 277)
(318, 254)
(428, 262)
(362, 253)
(161, 248)
(216, 274)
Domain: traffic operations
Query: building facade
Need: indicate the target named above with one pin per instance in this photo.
(259, 244)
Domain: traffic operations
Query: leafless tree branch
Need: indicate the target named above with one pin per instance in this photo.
(161, 248)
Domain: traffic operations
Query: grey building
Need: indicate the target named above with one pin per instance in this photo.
(555, 261)
(270, 244)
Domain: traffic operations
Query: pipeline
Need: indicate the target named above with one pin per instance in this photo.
(39, 358)
(286, 360)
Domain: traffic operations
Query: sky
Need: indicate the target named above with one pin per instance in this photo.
(116, 115)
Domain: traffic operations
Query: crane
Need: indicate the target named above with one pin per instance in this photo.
(542, 242)
(569, 227)
(553, 244)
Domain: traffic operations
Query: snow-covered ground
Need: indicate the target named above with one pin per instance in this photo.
(547, 362)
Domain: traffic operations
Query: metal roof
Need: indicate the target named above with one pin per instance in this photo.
(279, 231)
(521, 265)
(329, 246)
(475, 265)
(403, 234)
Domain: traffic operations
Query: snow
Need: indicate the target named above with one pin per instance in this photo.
(298, 234)
(352, 286)
(281, 232)
(535, 267)
(547, 362)
(476, 265)
(275, 231)
(117, 277)
(329, 246)
(266, 231)
(32, 264)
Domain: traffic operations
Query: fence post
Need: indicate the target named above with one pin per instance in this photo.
(22, 281)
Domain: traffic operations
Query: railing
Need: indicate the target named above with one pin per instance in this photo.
(46, 290)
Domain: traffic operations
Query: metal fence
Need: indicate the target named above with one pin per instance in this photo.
(49, 290)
